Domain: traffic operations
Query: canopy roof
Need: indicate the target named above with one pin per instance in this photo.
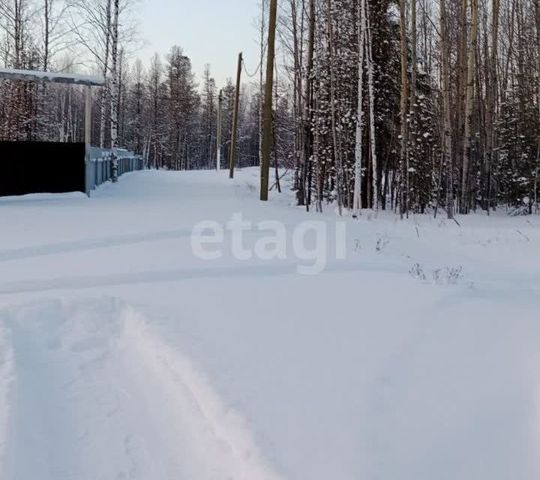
(36, 76)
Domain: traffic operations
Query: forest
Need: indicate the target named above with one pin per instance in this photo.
(414, 106)
(312, 255)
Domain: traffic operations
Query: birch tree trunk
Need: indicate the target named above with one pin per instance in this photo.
(357, 196)
(537, 172)
(105, 90)
(298, 110)
(308, 109)
(371, 93)
(114, 90)
(412, 96)
(447, 123)
(337, 155)
(404, 207)
(465, 202)
(491, 97)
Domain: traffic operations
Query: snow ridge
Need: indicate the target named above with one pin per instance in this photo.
(117, 400)
(6, 380)
(181, 380)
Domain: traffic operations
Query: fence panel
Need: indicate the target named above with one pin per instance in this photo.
(99, 165)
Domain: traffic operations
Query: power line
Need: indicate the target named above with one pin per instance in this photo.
(254, 73)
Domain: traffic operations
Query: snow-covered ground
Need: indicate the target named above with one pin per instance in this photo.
(124, 356)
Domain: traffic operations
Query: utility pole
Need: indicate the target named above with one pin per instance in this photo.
(267, 113)
(87, 132)
(218, 136)
(232, 153)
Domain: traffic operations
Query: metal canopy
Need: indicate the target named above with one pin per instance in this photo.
(87, 81)
(36, 76)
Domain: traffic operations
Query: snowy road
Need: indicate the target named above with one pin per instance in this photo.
(99, 397)
(122, 356)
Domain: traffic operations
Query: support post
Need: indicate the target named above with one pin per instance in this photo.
(267, 112)
(88, 118)
(218, 136)
(87, 134)
(232, 153)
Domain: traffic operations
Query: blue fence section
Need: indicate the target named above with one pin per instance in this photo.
(99, 165)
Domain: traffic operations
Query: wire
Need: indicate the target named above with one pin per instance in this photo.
(254, 73)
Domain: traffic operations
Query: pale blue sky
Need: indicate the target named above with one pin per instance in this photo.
(209, 31)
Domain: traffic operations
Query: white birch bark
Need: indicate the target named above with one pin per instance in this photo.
(371, 93)
(357, 197)
(337, 154)
(114, 90)
(471, 63)
(105, 89)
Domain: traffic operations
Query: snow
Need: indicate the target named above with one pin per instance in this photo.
(97, 372)
(123, 356)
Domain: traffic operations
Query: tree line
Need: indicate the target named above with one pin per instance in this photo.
(159, 110)
(411, 105)
(415, 105)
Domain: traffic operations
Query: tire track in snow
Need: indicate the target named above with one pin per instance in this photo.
(61, 248)
(185, 274)
(101, 397)
(6, 380)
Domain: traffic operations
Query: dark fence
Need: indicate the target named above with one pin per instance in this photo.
(41, 167)
(49, 167)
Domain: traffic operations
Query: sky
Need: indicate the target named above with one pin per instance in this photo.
(209, 31)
